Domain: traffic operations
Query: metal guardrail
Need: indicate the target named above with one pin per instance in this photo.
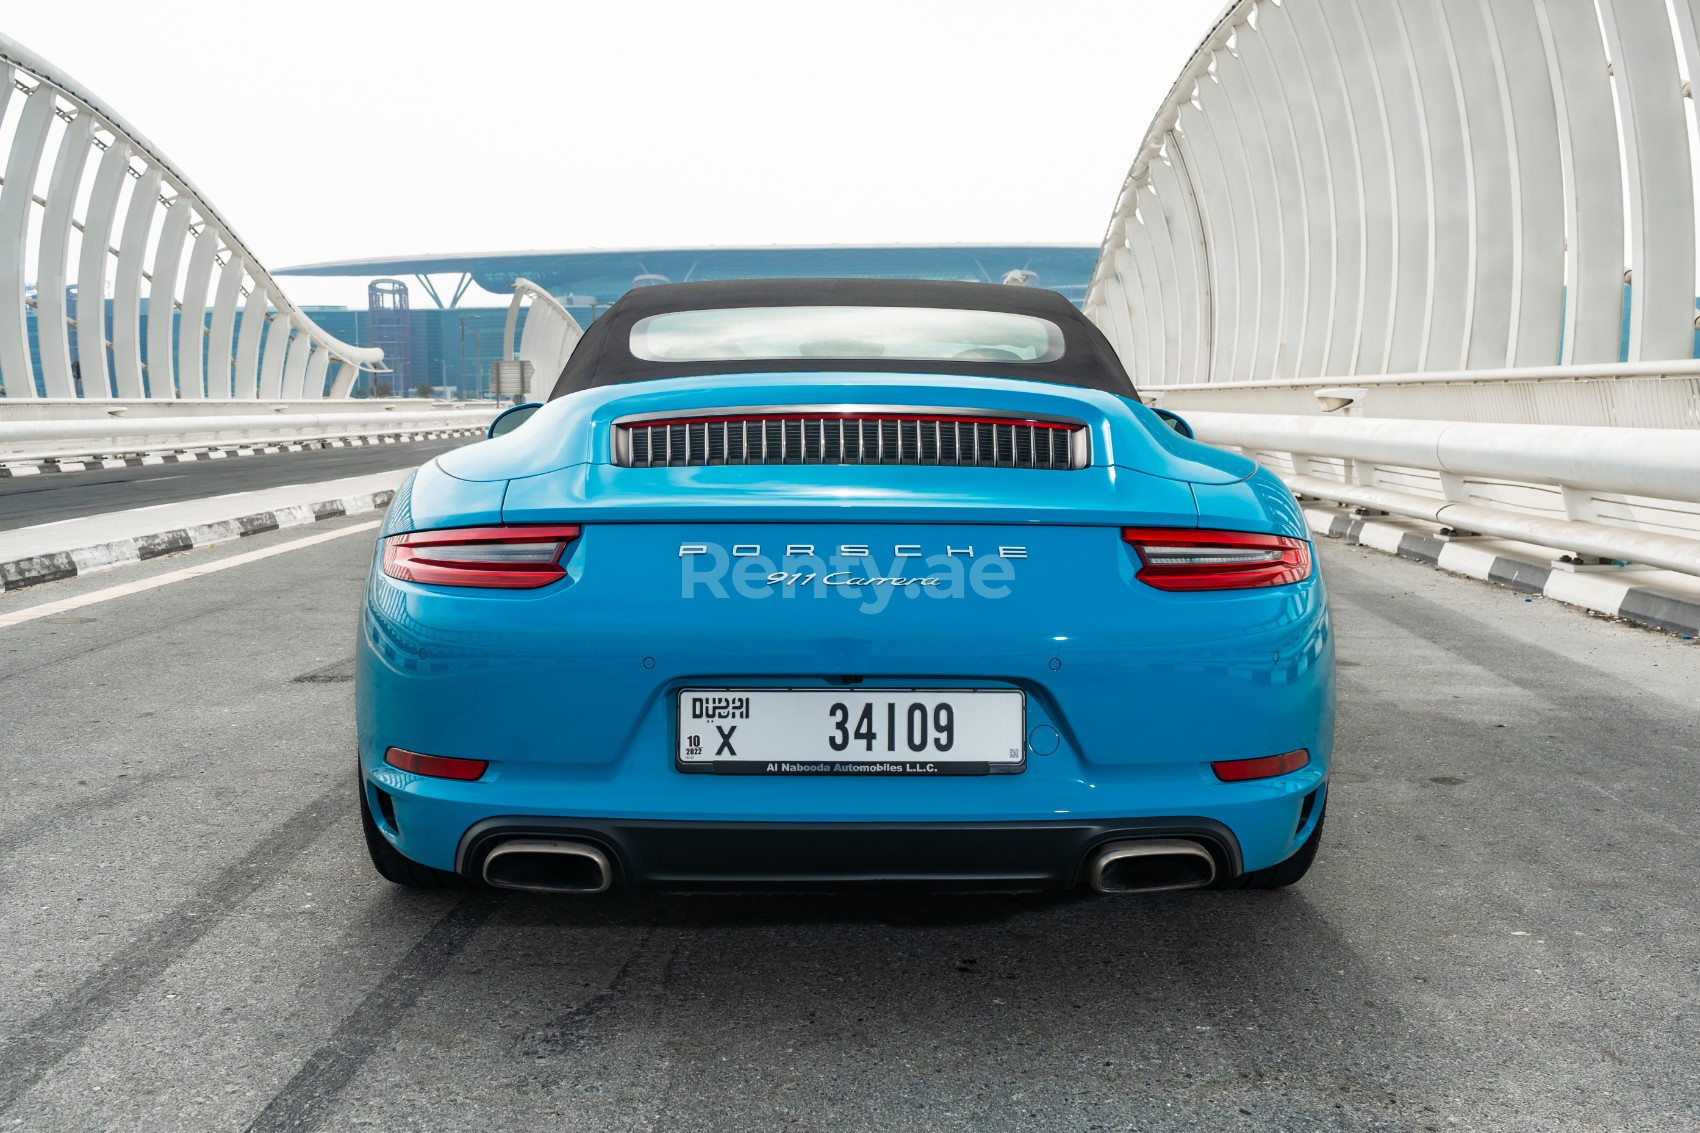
(28, 440)
(1617, 494)
(1654, 395)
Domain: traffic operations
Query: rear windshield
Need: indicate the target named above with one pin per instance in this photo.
(922, 334)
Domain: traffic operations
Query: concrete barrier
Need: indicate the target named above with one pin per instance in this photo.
(132, 428)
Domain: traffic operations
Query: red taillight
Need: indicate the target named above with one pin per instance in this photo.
(512, 558)
(437, 766)
(1263, 767)
(1216, 560)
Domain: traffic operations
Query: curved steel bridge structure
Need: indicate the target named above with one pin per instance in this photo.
(1342, 187)
(1432, 259)
(89, 202)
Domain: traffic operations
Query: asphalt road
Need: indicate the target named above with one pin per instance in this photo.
(52, 496)
(1502, 931)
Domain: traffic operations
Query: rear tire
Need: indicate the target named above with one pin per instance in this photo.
(1283, 874)
(391, 863)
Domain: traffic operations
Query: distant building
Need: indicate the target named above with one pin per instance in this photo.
(390, 327)
(598, 276)
(430, 339)
(446, 350)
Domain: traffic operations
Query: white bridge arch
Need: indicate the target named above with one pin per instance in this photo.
(1471, 222)
(1344, 187)
(144, 229)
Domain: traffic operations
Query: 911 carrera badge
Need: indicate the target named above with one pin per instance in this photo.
(844, 578)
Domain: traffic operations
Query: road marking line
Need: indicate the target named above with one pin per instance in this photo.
(47, 609)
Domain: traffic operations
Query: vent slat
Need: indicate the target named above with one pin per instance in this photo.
(875, 438)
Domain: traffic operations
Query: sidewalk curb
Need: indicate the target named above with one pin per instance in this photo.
(49, 467)
(19, 573)
(1607, 594)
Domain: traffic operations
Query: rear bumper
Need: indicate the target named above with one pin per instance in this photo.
(769, 856)
(453, 825)
(569, 693)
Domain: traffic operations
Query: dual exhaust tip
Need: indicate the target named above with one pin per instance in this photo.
(1150, 865)
(537, 865)
(1146, 865)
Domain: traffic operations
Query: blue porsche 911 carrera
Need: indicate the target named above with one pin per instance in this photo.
(803, 584)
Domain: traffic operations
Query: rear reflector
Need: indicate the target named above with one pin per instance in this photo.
(1216, 560)
(509, 558)
(1263, 767)
(436, 766)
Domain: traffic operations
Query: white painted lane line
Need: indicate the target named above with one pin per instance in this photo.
(47, 609)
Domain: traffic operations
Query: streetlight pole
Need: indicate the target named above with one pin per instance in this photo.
(461, 375)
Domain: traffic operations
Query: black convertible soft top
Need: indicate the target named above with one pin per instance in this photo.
(603, 356)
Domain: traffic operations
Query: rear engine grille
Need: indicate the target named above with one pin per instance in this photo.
(852, 438)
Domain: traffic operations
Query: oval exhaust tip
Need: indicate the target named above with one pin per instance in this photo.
(1151, 865)
(535, 865)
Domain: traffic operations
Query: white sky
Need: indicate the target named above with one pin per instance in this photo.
(330, 130)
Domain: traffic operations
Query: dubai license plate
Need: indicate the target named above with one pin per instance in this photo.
(875, 731)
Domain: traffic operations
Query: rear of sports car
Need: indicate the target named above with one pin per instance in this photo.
(801, 630)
